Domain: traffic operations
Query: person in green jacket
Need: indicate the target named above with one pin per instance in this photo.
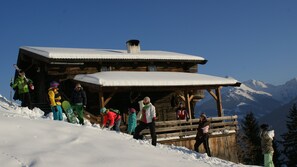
(267, 136)
(79, 102)
(21, 85)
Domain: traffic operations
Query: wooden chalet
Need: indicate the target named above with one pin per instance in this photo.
(120, 78)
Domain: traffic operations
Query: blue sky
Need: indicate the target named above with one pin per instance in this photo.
(244, 39)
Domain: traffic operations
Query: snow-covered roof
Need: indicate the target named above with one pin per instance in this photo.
(129, 78)
(109, 54)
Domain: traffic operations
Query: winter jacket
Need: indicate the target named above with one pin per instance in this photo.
(148, 113)
(203, 127)
(182, 114)
(79, 97)
(22, 84)
(54, 96)
(266, 141)
(110, 118)
(131, 122)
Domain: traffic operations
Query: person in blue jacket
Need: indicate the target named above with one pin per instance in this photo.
(131, 121)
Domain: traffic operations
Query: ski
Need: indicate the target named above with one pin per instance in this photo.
(18, 69)
(27, 80)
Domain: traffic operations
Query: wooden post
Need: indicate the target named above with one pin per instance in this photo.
(219, 102)
(101, 99)
(187, 101)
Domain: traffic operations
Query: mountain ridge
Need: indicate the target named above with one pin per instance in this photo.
(252, 96)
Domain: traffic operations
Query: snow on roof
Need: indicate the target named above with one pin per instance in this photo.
(129, 78)
(83, 53)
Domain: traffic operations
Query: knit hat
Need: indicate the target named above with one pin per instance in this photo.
(132, 110)
(103, 110)
(203, 115)
(78, 85)
(54, 84)
(21, 72)
(147, 99)
(264, 126)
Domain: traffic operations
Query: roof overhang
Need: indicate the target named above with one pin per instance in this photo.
(154, 79)
(51, 54)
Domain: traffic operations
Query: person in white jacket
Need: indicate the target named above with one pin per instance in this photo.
(266, 144)
(147, 120)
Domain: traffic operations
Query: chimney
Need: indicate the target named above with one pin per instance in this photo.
(133, 46)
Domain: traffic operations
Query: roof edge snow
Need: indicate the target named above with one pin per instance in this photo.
(83, 53)
(128, 78)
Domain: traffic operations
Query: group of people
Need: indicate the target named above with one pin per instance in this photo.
(23, 85)
(78, 101)
(112, 118)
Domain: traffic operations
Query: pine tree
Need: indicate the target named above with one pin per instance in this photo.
(251, 141)
(290, 137)
(277, 160)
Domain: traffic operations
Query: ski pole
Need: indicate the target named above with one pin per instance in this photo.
(11, 91)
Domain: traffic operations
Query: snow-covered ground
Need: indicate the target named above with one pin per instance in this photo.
(27, 139)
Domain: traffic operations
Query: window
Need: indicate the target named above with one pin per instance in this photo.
(105, 68)
(152, 68)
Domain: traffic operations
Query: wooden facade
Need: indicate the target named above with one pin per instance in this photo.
(44, 69)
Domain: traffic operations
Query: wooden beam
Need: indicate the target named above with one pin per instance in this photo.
(212, 94)
(191, 98)
(188, 104)
(182, 97)
(104, 102)
(109, 97)
(101, 98)
(219, 102)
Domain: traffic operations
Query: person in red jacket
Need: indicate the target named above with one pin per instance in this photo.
(182, 113)
(111, 120)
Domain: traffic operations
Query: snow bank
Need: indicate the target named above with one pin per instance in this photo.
(30, 140)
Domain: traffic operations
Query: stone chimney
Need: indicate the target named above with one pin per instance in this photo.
(133, 46)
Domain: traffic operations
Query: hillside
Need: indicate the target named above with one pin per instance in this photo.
(278, 117)
(30, 140)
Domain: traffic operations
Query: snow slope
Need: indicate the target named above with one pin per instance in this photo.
(30, 140)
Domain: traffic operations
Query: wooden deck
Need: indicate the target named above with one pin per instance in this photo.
(222, 140)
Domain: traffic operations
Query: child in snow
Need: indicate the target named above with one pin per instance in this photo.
(131, 121)
(55, 100)
(266, 143)
(110, 118)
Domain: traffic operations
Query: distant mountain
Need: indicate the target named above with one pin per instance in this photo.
(277, 118)
(252, 96)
